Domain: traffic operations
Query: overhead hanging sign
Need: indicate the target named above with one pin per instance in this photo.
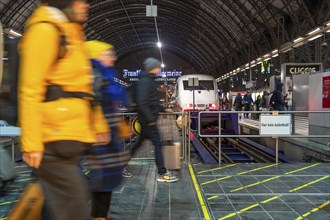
(276, 125)
(133, 75)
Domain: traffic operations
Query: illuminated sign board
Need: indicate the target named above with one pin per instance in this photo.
(133, 75)
(301, 68)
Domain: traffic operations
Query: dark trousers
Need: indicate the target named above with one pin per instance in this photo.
(247, 108)
(152, 133)
(62, 181)
(101, 204)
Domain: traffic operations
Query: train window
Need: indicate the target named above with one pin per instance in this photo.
(203, 85)
(8, 88)
(4, 88)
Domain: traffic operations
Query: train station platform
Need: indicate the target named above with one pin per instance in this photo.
(300, 148)
(209, 191)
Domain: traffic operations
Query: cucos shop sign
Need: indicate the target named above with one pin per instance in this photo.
(302, 68)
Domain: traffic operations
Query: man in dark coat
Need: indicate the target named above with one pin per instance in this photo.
(278, 99)
(148, 108)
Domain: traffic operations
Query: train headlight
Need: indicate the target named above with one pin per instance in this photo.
(212, 105)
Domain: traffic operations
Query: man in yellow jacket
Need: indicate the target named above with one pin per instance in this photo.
(56, 130)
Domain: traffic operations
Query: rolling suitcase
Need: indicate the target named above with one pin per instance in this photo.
(171, 153)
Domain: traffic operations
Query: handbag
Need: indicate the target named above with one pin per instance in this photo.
(124, 130)
(29, 205)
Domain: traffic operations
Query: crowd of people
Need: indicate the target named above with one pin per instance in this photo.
(66, 88)
(276, 100)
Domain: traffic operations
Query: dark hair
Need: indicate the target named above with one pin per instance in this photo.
(60, 4)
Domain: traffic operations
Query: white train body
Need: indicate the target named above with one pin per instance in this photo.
(206, 93)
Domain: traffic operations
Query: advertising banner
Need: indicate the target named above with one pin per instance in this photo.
(326, 92)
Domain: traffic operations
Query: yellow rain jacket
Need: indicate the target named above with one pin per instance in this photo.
(65, 118)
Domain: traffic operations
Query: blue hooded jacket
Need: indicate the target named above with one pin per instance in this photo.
(113, 92)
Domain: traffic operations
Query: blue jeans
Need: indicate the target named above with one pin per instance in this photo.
(152, 133)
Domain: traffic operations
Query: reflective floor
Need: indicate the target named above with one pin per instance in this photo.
(234, 191)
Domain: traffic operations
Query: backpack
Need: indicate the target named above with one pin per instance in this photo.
(8, 100)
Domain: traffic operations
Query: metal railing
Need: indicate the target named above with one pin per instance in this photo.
(219, 135)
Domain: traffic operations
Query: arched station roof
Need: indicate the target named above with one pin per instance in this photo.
(213, 36)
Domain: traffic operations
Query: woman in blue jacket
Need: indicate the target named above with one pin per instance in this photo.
(104, 175)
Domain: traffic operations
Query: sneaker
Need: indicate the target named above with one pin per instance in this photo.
(167, 178)
(126, 173)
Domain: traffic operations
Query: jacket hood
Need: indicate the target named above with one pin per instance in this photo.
(279, 86)
(47, 14)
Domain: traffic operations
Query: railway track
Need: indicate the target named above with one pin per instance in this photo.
(236, 151)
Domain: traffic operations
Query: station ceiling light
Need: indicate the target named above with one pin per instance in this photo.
(315, 37)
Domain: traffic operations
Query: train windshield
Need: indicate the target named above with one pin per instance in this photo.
(203, 85)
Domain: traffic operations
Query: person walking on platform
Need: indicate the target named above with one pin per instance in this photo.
(55, 113)
(264, 101)
(288, 99)
(258, 107)
(104, 180)
(238, 104)
(248, 101)
(278, 99)
(148, 108)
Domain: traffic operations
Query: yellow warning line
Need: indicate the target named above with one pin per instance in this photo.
(212, 197)
(273, 178)
(314, 210)
(227, 177)
(199, 194)
(212, 181)
(254, 184)
(26, 171)
(304, 168)
(270, 199)
(308, 184)
(10, 202)
(218, 168)
(21, 166)
(260, 168)
(240, 211)
(22, 180)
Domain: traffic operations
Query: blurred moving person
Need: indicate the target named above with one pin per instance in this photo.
(56, 116)
(148, 108)
(105, 179)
